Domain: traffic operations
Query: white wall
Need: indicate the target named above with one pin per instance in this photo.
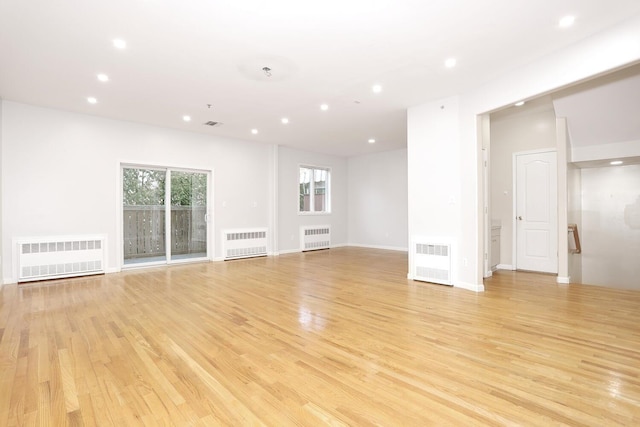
(610, 49)
(289, 220)
(1, 185)
(434, 178)
(378, 200)
(611, 226)
(61, 174)
(524, 130)
(574, 216)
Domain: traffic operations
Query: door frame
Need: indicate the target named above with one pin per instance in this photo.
(514, 235)
(120, 216)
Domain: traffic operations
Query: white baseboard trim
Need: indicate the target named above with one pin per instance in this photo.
(386, 248)
(469, 286)
(9, 281)
(505, 267)
(488, 274)
(340, 245)
(112, 270)
(564, 279)
(289, 251)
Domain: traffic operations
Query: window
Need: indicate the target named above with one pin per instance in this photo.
(314, 189)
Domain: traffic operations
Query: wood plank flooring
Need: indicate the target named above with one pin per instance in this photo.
(336, 337)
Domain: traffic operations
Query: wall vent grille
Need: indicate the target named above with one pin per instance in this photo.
(244, 243)
(56, 257)
(432, 261)
(315, 237)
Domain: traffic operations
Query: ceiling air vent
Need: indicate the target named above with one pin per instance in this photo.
(212, 123)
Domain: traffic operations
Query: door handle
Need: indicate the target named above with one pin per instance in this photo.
(519, 218)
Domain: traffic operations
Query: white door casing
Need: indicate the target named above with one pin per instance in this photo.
(536, 211)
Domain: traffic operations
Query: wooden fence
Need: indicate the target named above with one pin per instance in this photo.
(144, 231)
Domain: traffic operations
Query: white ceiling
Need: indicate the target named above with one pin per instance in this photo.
(182, 55)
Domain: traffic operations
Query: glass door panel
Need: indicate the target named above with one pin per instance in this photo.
(188, 215)
(143, 196)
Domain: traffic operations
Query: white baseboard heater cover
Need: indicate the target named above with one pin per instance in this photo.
(432, 261)
(315, 237)
(244, 243)
(54, 257)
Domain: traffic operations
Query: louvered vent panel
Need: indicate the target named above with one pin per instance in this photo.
(55, 257)
(315, 237)
(432, 261)
(244, 243)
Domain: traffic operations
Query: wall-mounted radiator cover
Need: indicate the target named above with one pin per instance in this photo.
(55, 257)
(244, 243)
(314, 237)
(432, 261)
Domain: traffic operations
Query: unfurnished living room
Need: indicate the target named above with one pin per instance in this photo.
(339, 213)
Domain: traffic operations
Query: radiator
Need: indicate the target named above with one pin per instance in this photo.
(244, 243)
(44, 258)
(432, 261)
(315, 237)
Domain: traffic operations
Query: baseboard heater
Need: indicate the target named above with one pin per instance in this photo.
(315, 237)
(432, 261)
(44, 258)
(244, 243)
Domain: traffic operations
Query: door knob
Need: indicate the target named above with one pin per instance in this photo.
(519, 218)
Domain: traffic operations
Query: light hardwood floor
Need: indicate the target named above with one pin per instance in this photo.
(337, 337)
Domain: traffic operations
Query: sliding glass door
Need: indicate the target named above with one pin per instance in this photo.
(164, 215)
(188, 215)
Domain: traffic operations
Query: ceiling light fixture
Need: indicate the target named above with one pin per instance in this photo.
(519, 104)
(254, 131)
(119, 43)
(372, 141)
(376, 88)
(616, 162)
(450, 63)
(103, 77)
(92, 100)
(284, 121)
(266, 71)
(324, 107)
(567, 21)
(186, 118)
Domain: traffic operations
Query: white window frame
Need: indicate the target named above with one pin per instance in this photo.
(209, 217)
(327, 195)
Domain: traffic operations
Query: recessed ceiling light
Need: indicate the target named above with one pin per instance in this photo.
(567, 21)
(450, 62)
(254, 131)
(324, 107)
(284, 120)
(119, 43)
(376, 88)
(92, 100)
(103, 77)
(186, 118)
(372, 141)
(616, 162)
(519, 104)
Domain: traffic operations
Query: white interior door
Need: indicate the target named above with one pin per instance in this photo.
(536, 213)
